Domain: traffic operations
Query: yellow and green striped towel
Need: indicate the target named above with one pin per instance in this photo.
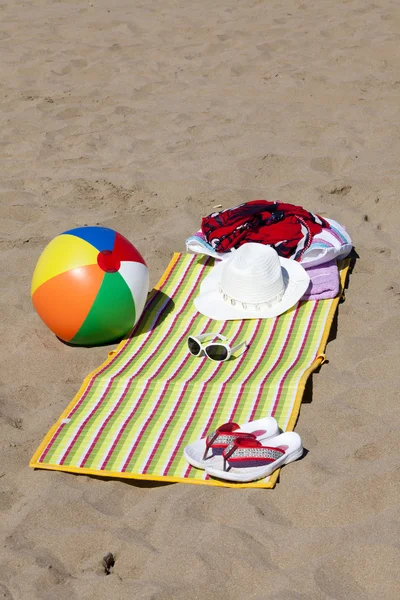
(134, 415)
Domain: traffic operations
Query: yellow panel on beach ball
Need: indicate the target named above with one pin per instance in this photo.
(65, 252)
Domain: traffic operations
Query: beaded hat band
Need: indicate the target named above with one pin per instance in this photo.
(248, 305)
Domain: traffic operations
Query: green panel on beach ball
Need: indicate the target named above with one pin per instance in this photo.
(112, 314)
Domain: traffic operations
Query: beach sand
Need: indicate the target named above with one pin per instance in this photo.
(142, 116)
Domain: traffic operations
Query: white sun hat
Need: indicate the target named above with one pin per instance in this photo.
(255, 283)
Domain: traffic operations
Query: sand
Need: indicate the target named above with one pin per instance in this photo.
(141, 116)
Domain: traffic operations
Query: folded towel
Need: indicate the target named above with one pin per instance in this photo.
(324, 281)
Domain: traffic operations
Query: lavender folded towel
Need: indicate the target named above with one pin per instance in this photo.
(324, 281)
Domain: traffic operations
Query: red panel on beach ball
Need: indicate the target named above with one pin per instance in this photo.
(124, 250)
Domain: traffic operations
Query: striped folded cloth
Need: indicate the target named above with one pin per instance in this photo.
(329, 244)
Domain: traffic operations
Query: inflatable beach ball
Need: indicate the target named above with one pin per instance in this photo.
(90, 286)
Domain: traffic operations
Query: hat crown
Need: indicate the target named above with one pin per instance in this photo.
(253, 275)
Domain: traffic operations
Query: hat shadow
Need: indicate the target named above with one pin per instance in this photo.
(207, 261)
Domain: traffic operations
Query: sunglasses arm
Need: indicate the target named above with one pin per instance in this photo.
(238, 346)
(203, 336)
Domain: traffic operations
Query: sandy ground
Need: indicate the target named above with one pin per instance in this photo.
(141, 116)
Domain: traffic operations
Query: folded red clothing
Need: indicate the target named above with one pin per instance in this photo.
(286, 227)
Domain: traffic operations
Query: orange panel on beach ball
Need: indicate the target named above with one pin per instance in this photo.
(61, 307)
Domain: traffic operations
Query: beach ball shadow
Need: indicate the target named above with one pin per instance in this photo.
(160, 305)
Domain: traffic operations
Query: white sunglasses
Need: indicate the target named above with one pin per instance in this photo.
(217, 351)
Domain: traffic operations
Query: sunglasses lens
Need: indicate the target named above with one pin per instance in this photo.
(194, 346)
(217, 352)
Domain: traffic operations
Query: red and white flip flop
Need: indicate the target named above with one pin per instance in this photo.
(246, 459)
(204, 452)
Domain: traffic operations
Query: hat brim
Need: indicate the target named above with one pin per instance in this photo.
(211, 303)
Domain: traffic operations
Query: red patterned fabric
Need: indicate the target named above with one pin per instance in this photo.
(286, 227)
(223, 436)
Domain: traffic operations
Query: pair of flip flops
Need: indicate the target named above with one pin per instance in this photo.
(240, 452)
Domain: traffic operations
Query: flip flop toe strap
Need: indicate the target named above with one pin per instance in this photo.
(219, 439)
(249, 453)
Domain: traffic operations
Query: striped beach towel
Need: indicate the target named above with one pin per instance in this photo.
(134, 415)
